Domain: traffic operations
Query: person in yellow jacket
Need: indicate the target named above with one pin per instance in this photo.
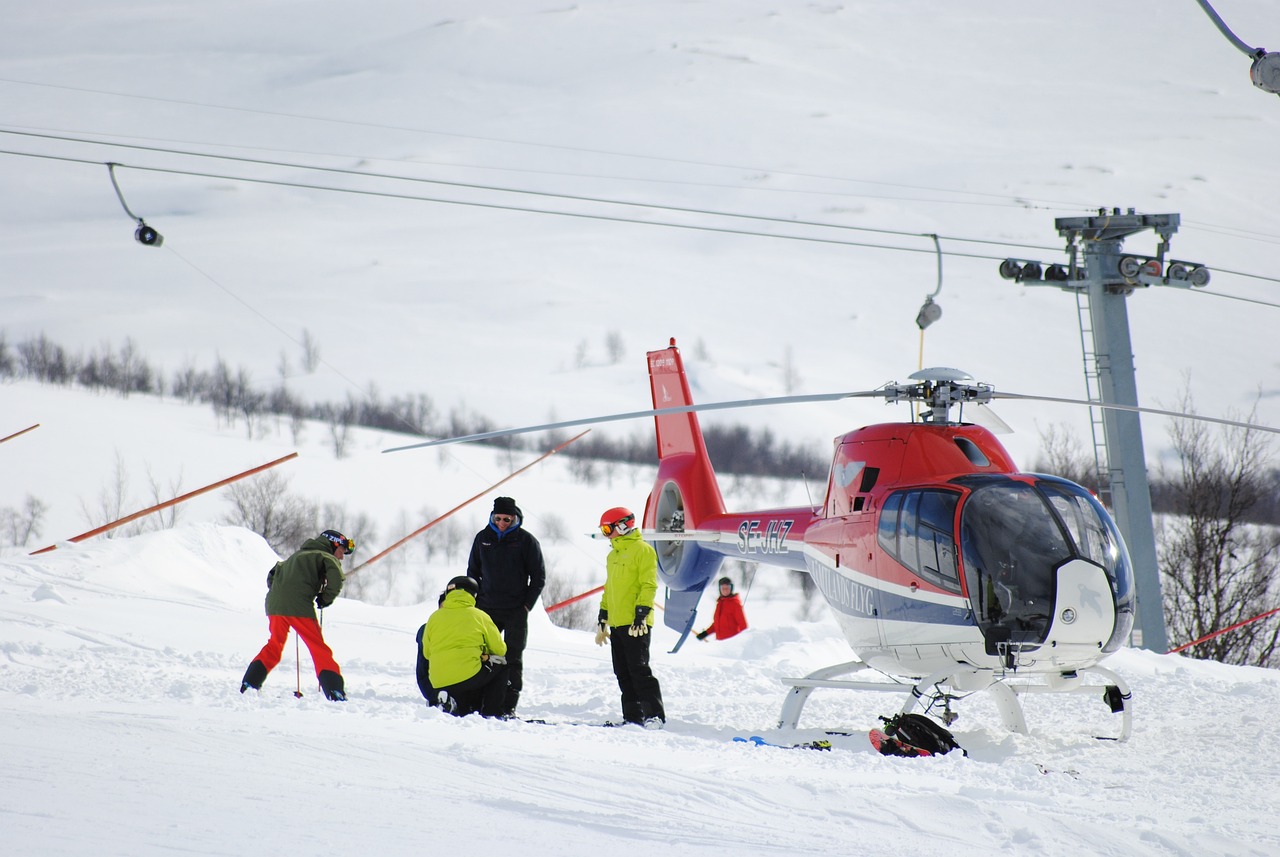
(465, 653)
(626, 616)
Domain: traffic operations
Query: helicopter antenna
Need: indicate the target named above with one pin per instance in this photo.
(812, 505)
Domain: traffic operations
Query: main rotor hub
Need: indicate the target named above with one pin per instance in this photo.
(940, 388)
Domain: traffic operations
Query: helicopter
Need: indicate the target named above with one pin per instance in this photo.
(948, 570)
(941, 563)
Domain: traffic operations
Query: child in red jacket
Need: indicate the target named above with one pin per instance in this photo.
(729, 618)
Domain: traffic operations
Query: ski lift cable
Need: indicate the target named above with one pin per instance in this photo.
(574, 214)
(515, 208)
(484, 139)
(1000, 201)
(501, 189)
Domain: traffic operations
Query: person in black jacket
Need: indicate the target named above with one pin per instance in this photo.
(507, 562)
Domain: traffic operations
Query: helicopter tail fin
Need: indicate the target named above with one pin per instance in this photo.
(685, 493)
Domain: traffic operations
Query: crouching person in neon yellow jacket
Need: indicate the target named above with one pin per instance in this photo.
(466, 654)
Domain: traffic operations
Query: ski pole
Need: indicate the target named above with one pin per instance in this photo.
(297, 659)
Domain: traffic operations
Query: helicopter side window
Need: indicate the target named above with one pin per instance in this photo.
(888, 530)
(909, 531)
(937, 547)
(916, 529)
(1092, 538)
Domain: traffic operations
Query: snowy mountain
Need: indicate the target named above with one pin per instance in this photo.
(461, 200)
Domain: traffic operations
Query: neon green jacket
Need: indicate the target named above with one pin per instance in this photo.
(632, 579)
(457, 634)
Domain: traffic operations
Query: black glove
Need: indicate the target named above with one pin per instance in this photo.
(602, 627)
(704, 634)
(639, 627)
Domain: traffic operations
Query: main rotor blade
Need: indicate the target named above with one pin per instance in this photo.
(635, 415)
(1137, 409)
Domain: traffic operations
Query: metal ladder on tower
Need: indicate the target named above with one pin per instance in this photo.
(1097, 429)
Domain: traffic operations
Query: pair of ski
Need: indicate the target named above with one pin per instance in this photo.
(757, 741)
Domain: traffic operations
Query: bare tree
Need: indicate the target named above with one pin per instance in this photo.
(164, 519)
(614, 347)
(310, 352)
(790, 375)
(581, 614)
(19, 526)
(111, 499)
(340, 420)
(264, 505)
(1218, 569)
(1062, 454)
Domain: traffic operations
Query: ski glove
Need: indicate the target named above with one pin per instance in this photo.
(703, 636)
(494, 660)
(639, 627)
(602, 627)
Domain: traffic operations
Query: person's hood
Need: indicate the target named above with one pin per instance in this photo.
(458, 598)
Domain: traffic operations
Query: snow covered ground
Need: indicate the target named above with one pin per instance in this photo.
(124, 734)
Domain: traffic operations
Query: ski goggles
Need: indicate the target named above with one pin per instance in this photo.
(621, 527)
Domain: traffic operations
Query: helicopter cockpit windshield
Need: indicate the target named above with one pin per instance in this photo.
(1015, 535)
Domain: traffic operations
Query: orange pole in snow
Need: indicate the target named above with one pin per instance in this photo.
(16, 433)
(565, 603)
(1239, 624)
(175, 501)
(463, 504)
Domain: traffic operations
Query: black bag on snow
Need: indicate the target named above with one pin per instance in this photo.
(918, 731)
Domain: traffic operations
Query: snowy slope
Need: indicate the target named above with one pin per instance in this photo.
(124, 734)
(968, 122)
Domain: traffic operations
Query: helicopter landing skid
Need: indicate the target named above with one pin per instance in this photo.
(1115, 693)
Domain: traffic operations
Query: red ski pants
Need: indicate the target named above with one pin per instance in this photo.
(309, 630)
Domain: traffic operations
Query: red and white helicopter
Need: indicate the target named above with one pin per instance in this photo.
(946, 568)
(940, 561)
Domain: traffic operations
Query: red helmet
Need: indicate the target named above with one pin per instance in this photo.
(617, 521)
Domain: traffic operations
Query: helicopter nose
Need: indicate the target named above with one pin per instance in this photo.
(1084, 614)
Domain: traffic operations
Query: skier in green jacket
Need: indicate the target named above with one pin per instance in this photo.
(626, 615)
(310, 578)
(465, 653)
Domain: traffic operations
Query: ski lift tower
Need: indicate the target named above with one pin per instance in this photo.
(1103, 275)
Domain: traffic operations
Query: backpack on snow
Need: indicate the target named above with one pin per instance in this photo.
(915, 735)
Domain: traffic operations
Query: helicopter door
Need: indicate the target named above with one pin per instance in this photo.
(1012, 545)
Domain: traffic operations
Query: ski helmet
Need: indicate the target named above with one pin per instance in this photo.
(724, 581)
(466, 584)
(338, 540)
(617, 521)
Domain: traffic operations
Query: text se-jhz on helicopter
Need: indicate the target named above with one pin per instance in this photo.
(946, 568)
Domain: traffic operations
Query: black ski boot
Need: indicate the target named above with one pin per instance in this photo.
(254, 676)
(332, 685)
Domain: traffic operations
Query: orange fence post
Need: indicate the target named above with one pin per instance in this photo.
(16, 433)
(175, 501)
(463, 504)
(1239, 624)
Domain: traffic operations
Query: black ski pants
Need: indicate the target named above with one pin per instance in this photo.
(513, 622)
(641, 694)
(484, 692)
